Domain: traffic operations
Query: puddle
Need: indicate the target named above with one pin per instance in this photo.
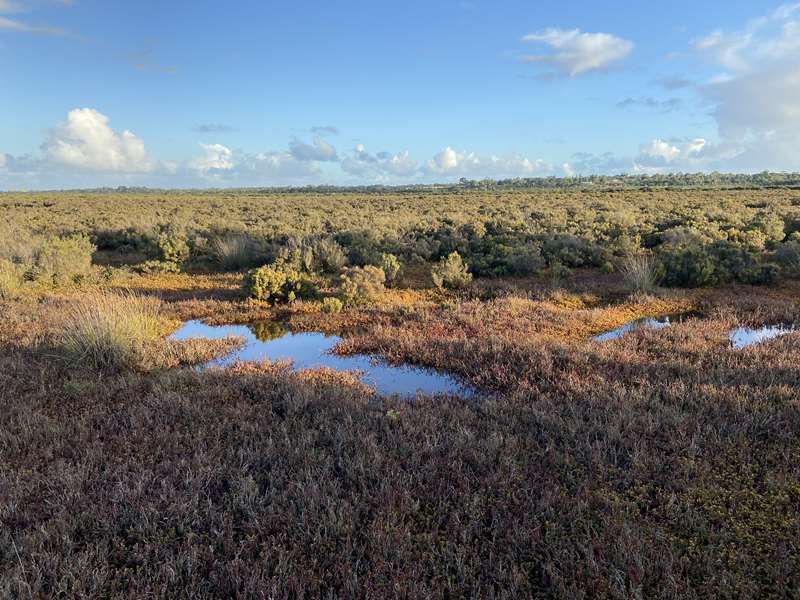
(741, 337)
(275, 342)
(646, 323)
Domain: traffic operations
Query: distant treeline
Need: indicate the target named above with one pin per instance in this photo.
(765, 180)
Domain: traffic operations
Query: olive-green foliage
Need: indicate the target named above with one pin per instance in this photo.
(391, 268)
(276, 283)
(173, 246)
(61, 260)
(362, 284)
(451, 272)
(332, 305)
(157, 266)
(787, 255)
(11, 279)
(125, 241)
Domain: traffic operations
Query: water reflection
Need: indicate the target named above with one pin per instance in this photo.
(742, 337)
(274, 341)
(646, 323)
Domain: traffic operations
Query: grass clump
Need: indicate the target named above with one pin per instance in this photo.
(111, 331)
(642, 272)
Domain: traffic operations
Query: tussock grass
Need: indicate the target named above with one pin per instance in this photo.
(234, 252)
(640, 272)
(111, 330)
(11, 277)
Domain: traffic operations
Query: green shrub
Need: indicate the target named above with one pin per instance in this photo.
(278, 283)
(362, 284)
(451, 272)
(173, 246)
(787, 255)
(332, 306)
(64, 260)
(11, 279)
(156, 266)
(111, 331)
(390, 266)
(691, 266)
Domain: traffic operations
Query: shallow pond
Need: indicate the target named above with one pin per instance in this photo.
(741, 337)
(275, 342)
(646, 323)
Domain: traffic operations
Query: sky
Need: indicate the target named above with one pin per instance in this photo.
(265, 93)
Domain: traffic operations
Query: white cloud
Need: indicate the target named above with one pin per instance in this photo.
(9, 6)
(319, 150)
(756, 97)
(450, 162)
(576, 52)
(86, 141)
(3, 160)
(216, 157)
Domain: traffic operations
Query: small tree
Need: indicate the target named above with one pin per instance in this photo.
(451, 272)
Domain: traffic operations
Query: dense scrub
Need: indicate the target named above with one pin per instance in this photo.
(698, 237)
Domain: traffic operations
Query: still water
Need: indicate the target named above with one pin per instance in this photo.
(274, 342)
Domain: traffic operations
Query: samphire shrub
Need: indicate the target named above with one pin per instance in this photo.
(451, 272)
(362, 284)
(110, 331)
(61, 260)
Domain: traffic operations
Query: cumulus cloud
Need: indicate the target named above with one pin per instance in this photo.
(576, 52)
(381, 165)
(318, 150)
(215, 158)
(450, 162)
(756, 95)
(86, 141)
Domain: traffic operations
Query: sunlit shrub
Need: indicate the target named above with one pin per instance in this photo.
(156, 266)
(332, 305)
(64, 260)
(173, 246)
(329, 256)
(277, 283)
(451, 272)
(362, 284)
(391, 268)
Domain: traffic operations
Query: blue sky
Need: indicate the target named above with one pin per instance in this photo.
(199, 94)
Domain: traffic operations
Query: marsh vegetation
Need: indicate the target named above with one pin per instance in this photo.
(661, 463)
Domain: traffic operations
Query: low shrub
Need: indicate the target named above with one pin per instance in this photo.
(332, 305)
(362, 284)
(787, 255)
(156, 266)
(390, 266)
(64, 260)
(451, 272)
(278, 283)
(173, 247)
(329, 256)
(110, 331)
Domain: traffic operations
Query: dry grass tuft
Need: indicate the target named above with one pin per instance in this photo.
(111, 331)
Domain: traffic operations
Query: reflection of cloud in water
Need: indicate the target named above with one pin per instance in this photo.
(742, 337)
(275, 342)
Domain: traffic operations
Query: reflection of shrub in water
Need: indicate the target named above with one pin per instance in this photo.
(268, 330)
